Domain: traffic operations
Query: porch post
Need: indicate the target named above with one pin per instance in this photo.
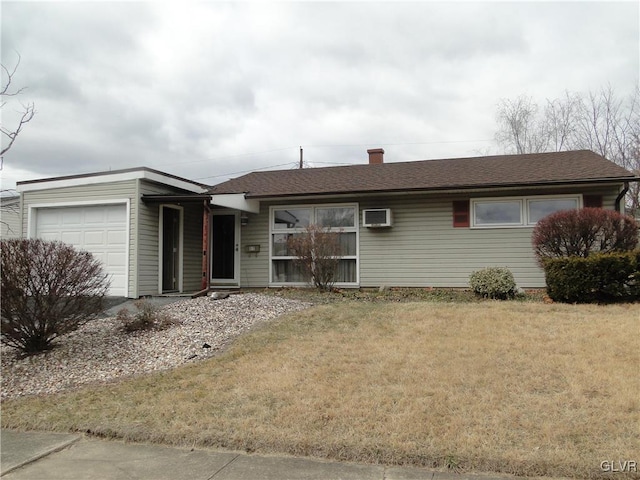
(205, 246)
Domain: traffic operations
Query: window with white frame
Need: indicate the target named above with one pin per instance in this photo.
(519, 211)
(538, 208)
(288, 222)
(490, 213)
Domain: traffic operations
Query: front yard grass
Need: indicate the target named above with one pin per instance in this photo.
(522, 388)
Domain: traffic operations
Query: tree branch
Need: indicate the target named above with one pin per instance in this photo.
(27, 115)
(28, 110)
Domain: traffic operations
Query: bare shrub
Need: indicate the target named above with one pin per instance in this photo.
(48, 289)
(148, 317)
(317, 252)
(578, 233)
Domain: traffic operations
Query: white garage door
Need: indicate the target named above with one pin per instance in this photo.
(99, 229)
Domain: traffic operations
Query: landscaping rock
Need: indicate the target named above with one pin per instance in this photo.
(218, 295)
(100, 351)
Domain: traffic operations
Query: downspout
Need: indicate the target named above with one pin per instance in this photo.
(620, 197)
(206, 213)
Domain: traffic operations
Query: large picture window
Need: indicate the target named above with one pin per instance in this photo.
(518, 211)
(287, 222)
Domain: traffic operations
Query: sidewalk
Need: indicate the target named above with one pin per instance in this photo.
(52, 456)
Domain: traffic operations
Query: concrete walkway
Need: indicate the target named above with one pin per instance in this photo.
(52, 456)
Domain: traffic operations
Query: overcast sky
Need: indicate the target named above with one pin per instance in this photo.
(208, 90)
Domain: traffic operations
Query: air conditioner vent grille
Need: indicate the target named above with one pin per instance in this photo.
(376, 217)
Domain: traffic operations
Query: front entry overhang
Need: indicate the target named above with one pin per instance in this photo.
(209, 202)
(236, 201)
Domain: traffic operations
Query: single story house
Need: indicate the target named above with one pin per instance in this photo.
(427, 223)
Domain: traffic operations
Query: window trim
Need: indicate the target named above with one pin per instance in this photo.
(272, 231)
(524, 208)
(476, 201)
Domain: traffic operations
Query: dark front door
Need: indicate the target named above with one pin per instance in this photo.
(223, 256)
(170, 249)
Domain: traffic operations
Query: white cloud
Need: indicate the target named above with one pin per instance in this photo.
(191, 88)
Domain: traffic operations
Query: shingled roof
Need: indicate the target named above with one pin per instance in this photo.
(582, 166)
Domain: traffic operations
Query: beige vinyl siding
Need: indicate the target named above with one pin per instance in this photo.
(149, 243)
(254, 268)
(88, 194)
(609, 200)
(10, 220)
(423, 249)
(148, 256)
(192, 248)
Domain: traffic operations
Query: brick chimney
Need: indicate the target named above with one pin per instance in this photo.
(376, 156)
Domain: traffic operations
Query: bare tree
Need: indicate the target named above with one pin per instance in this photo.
(317, 252)
(597, 121)
(559, 115)
(600, 121)
(626, 144)
(519, 126)
(10, 134)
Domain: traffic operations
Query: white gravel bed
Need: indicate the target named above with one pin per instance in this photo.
(100, 351)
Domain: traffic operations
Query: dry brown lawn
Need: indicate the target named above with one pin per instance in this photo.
(512, 387)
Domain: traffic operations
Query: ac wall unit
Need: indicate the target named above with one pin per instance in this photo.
(376, 217)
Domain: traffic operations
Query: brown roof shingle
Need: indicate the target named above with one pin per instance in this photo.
(457, 173)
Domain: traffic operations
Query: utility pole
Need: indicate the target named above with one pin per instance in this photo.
(301, 161)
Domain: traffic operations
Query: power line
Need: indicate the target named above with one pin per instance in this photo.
(336, 163)
(295, 164)
(244, 171)
(230, 156)
(400, 144)
(328, 145)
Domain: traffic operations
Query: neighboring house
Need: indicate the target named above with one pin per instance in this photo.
(10, 224)
(412, 224)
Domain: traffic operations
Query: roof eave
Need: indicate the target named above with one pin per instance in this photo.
(192, 198)
(449, 188)
(136, 173)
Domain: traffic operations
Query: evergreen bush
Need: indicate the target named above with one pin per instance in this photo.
(599, 278)
(493, 282)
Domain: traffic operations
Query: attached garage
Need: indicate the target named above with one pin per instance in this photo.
(103, 213)
(99, 229)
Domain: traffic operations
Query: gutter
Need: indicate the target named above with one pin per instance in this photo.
(621, 196)
(440, 189)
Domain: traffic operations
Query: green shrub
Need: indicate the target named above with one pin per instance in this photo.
(148, 317)
(634, 281)
(599, 278)
(493, 282)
